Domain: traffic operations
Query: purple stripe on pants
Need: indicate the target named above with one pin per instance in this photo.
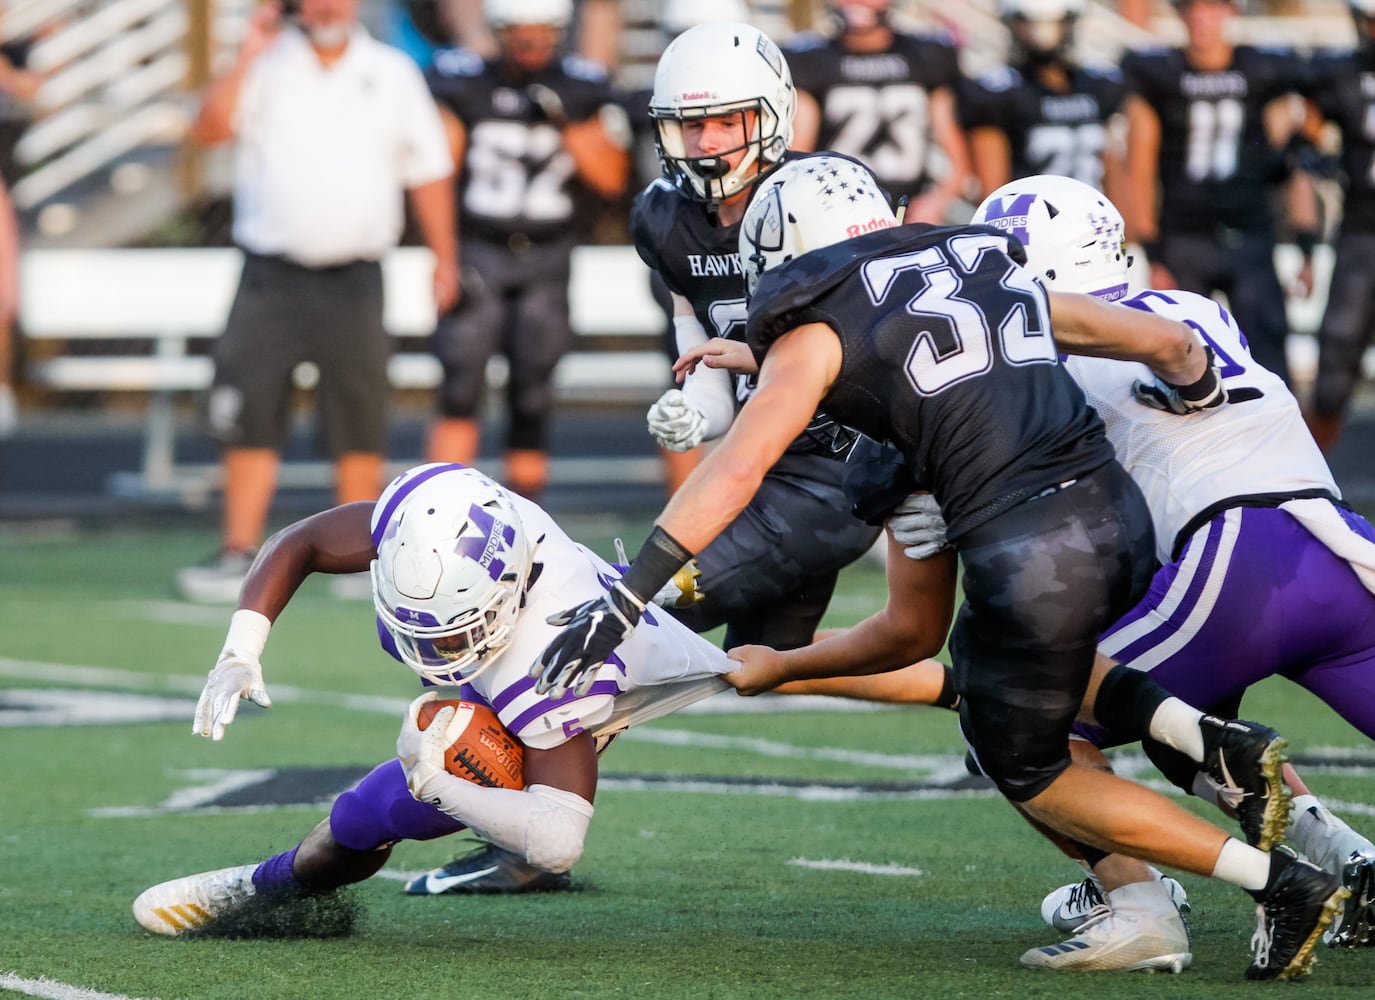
(1278, 602)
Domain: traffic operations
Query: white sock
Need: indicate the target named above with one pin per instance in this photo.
(1176, 725)
(1243, 865)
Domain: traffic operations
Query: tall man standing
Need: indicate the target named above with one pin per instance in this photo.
(331, 128)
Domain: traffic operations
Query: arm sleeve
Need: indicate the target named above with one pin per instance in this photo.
(709, 390)
(543, 824)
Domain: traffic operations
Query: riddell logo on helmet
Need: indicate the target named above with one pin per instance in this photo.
(873, 224)
(696, 95)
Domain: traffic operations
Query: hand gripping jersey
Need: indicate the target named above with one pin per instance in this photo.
(516, 175)
(1187, 466)
(875, 106)
(1048, 132)
(700, 261)
(1345, 93)
(659, 669)
(948, 356)
(1216, 164)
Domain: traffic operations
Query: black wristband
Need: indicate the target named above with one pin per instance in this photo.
(659, 558)
(1306, 240)
(1204, 387)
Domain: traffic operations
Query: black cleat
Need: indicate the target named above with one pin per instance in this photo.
(486, 871)
(1244, 762)
(1355, 927)
(1300, 903)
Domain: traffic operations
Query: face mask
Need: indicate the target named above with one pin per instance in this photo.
(334, 35)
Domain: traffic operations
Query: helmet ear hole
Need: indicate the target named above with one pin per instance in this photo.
(1050, 274)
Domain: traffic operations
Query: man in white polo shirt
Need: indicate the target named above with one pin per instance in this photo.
(331, 128)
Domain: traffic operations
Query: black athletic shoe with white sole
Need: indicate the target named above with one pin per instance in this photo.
(488, 870)
(1300, 903)
(1243, 761)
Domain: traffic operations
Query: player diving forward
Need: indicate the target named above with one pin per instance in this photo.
(464, 574)
(1265, 570)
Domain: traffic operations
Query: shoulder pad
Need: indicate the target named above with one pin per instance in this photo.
(806, 41)
(1000, 79)
(458, 62)
(580, 68)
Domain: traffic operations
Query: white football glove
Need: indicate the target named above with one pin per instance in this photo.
(675, 423)
(235, 676)
(421, 751)
(917, 524)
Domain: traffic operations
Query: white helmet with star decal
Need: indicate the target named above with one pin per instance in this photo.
(806, 204)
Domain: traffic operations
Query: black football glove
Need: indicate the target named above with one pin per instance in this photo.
(1206, 393)
(591, 631)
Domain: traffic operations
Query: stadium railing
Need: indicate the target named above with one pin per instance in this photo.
(167, 303)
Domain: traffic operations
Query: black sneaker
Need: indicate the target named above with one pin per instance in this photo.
(1300, 903)
(488, 870)
(1244, 762)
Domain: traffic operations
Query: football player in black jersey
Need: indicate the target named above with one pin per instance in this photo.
(1043, 114)
(1197, 141)
(937, 342)
(531, 132)
(1345, 96)
(722, 107)
(883, 96)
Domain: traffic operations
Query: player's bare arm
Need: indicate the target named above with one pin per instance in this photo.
(1088, 326)
(907, 629)
(717, 353)
(799, 368)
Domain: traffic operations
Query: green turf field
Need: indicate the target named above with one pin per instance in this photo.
(812, 853)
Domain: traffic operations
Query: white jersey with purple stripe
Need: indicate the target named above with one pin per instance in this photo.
(663, 666)
(1256, 445)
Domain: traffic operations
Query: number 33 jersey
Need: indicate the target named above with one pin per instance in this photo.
(516, 175)
(948, 356)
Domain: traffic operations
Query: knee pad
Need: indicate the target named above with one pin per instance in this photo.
(1021, 760)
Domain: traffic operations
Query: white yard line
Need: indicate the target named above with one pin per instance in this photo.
(863, 867)
(55, 990)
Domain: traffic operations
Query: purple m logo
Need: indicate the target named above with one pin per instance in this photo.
(1010, 214)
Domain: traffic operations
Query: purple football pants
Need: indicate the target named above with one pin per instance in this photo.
(1252, 595)
(380, 810)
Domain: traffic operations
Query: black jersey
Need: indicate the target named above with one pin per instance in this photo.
(516, 175)
(1048, 132)
(875, 106)
(1344, 91)
(948, 356)
(700, 261)
(1216, 165)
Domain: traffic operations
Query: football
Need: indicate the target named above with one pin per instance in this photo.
(480, 748)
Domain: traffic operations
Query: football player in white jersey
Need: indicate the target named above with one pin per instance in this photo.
(1265, 570)
(464, 575)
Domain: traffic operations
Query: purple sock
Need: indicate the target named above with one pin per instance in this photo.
(274, 875)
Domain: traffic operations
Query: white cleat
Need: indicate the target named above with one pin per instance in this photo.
(1132, 932)
(1068, 907)
(196, 901)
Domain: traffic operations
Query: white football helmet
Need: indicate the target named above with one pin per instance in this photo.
(722, 68)
(505, 13)
(451, 569)
(1042, 28)
(1074, 237)
(806, 204)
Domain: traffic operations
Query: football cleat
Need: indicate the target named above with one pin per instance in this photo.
(1068, 907)
(486, 871)
(1300, 903)
(1128, 934)
(1243, 762)
(1355, 925)
(194, 902)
